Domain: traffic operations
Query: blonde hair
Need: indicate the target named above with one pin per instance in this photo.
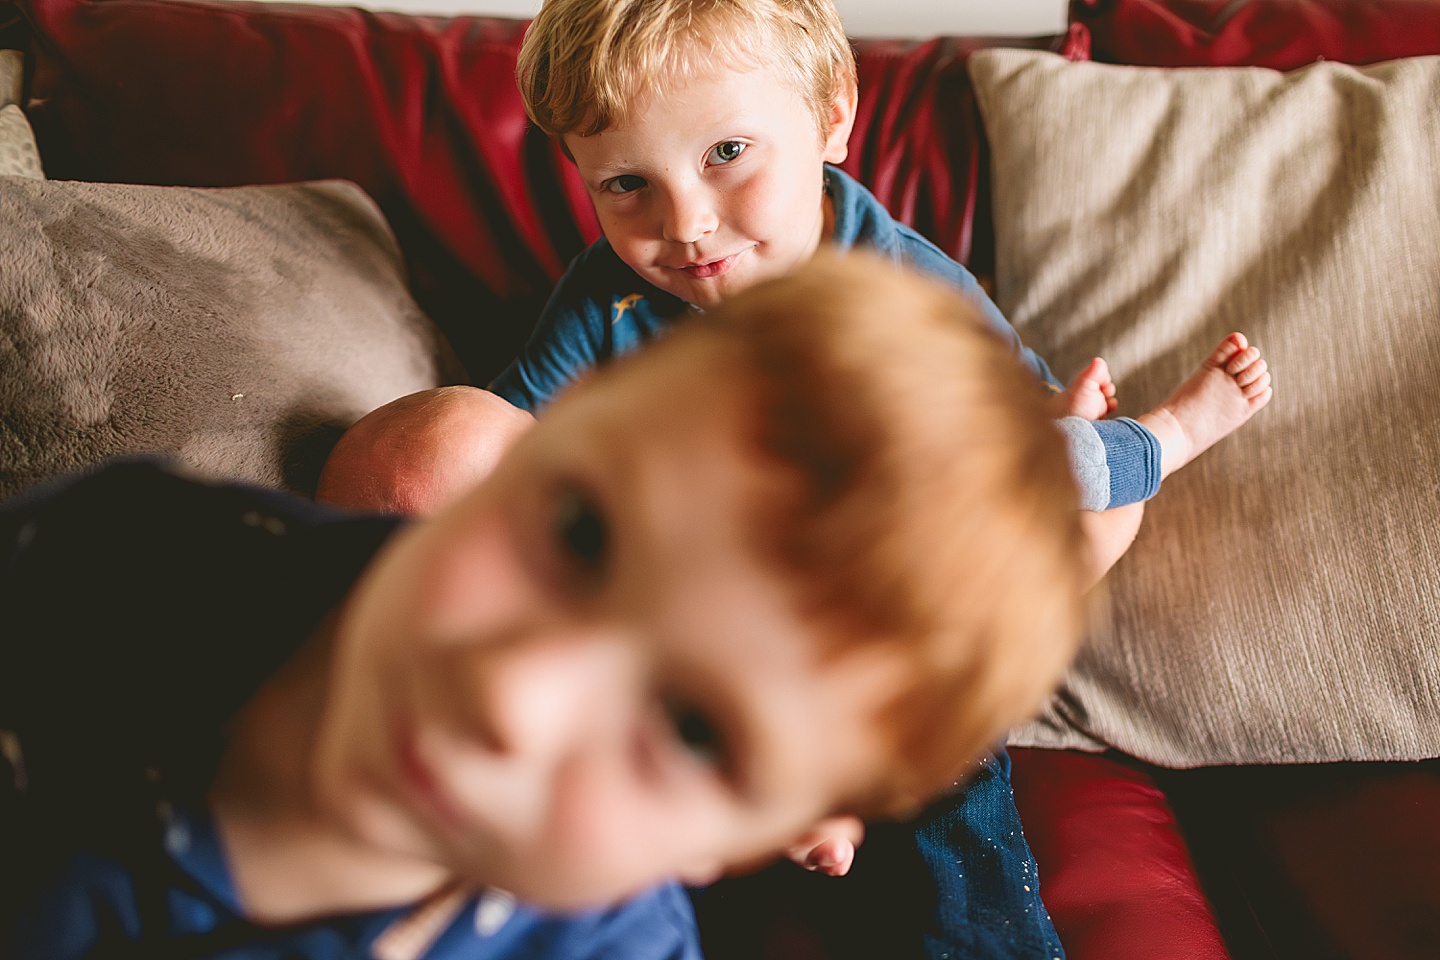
(584, 63)
(939, 515)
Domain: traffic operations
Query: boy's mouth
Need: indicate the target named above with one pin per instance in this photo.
(420, 778)
(711, 268)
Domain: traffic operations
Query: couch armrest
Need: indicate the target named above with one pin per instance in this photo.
(1114, 869)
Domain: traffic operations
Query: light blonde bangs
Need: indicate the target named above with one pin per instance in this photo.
(584, 65)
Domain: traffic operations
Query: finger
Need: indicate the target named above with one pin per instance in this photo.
(832, 858)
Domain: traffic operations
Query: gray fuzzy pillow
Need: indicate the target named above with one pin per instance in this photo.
(240, 330)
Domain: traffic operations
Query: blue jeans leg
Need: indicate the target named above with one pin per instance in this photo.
(987, 889)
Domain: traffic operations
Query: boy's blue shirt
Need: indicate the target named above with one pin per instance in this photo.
(142, 610)
(601, 309)
(99, 903)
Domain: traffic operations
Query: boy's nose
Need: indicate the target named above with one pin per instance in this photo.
(538, 699)
(691, 217)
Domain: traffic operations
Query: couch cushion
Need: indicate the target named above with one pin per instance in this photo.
(12, 76)
(422, 112)
(918, 143)
(18, 156)
(1283, 34)
(1281, 602)
(1115, 872)
(240, 330)
(1334, 860)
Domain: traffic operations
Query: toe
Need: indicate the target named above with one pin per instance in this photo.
(1250, 374)
(1228, 348)
(1242, 360)
(1253, 390)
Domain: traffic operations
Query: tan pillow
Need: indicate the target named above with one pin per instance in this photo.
(18, 156)
(240, 329)
(1282, 603)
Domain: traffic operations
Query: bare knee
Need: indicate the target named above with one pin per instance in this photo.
(417, 453)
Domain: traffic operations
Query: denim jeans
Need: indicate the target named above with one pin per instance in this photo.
(987, 889)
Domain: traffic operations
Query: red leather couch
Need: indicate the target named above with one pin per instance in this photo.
(1335, 862)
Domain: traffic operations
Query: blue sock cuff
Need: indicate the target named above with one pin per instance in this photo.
(1133, 455)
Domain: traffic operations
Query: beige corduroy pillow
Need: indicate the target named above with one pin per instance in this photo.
(1282, 603)
(18, 156)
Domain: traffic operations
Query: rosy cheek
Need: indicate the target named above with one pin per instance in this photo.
(624, 228)
(601, 824)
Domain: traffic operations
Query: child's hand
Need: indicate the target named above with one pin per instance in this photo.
(829, 848)
(1091, 395)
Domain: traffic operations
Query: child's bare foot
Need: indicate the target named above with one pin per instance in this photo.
(1091, 395)
(1228, 388)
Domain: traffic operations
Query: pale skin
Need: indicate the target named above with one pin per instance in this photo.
(548, 687)
(713, 184)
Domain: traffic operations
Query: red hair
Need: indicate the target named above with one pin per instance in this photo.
(939, 517)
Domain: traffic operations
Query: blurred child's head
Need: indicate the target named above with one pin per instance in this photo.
(701, 128)
(808, 555)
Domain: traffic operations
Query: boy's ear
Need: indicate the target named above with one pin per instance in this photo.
(841, 122)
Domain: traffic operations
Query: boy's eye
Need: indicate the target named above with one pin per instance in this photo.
(724, 152)
(696, 732)
(580, 532)
(626, 183)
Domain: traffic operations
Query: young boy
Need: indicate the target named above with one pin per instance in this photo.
(705, 132)
(729, 587)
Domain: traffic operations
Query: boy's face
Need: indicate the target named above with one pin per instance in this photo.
(715, 182)
(581, 679)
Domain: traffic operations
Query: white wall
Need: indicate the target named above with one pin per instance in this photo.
(903, 18)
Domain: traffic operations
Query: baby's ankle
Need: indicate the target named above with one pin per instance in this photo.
(1175, 442)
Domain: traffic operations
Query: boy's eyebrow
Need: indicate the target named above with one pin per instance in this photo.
(606, 171)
